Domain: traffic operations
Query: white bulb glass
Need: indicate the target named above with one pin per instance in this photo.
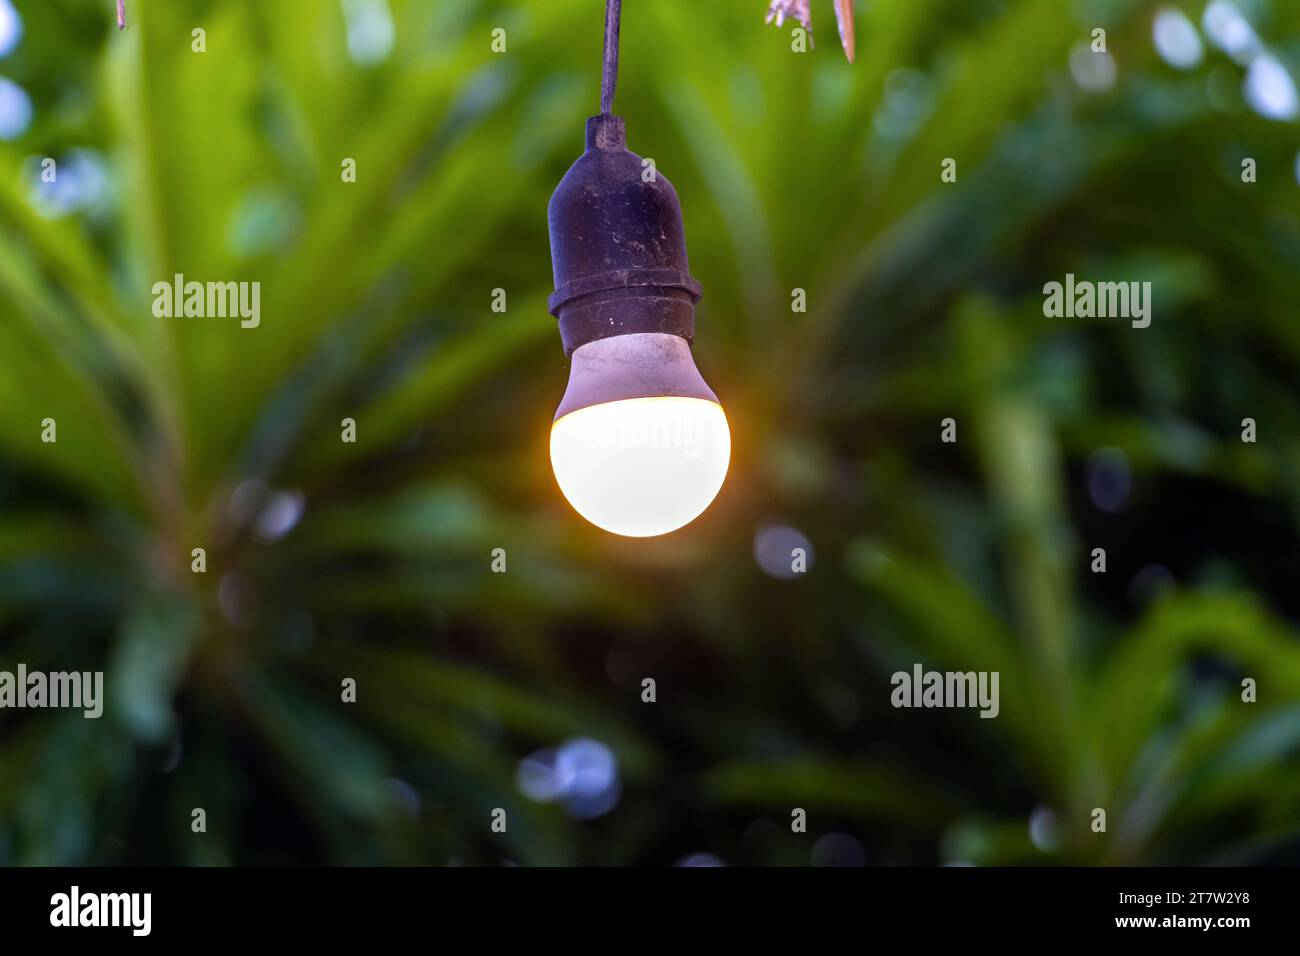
(640, 445)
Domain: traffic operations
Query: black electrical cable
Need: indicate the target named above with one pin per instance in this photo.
(609, 78)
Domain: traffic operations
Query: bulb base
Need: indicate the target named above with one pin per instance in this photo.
(632, 366)
(618, 246)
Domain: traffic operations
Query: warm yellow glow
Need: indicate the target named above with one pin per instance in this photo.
(642, 466)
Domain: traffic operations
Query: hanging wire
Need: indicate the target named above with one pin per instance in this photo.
(609, 78)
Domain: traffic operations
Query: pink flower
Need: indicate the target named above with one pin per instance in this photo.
(801, 10)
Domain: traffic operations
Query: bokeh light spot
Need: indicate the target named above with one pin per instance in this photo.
(281, 515)
(15, 110)
(581, 773)
(1230, 31)
(11, 28)
(1270, 90)
(80, 183)
(777, 548)
(1109, 479)
(1176, 39)
(370, 30)
(1044, 829)
(838, 849)
(1093, 72)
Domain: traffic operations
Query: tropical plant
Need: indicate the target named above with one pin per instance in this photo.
(371, 561)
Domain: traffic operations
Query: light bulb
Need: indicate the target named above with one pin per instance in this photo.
(639, 445)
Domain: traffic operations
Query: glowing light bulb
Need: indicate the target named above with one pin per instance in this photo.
(640, 445)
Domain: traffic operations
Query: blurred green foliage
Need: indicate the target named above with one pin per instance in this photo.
(1119, 690)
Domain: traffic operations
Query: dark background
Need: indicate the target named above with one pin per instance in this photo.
(522, 690)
